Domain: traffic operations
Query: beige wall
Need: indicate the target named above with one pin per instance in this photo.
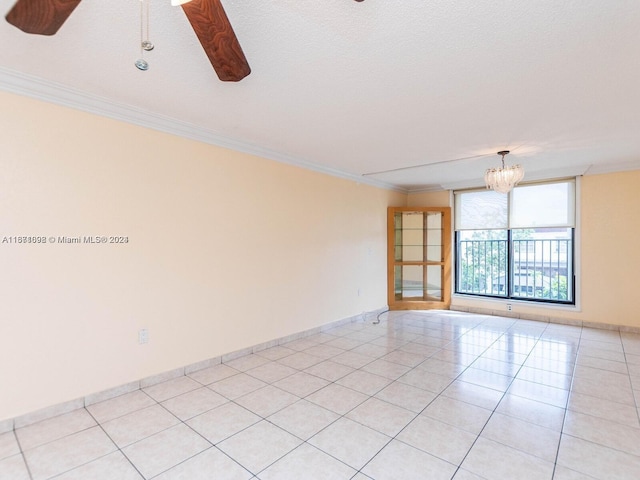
(609, 256)
(225, 251)
(429, 199)
(610, 251)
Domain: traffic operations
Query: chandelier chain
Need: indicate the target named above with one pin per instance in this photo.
(145, 43)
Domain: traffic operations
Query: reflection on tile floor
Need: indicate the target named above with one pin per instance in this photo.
(422, 395)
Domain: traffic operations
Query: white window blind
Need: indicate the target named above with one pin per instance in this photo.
(530, 206)
(481, 210)
(543, 205)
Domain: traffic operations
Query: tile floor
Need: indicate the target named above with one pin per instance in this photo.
(422, 395)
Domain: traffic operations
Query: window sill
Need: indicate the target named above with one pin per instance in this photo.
(500, 304)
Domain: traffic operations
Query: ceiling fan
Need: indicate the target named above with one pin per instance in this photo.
(207, 17)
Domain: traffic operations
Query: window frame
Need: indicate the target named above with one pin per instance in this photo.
(574, 279)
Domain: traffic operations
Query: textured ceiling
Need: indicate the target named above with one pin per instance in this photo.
(355, 88)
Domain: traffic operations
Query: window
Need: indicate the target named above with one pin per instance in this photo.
(518, 246)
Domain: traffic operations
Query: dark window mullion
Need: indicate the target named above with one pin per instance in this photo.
(573, 273)
(508, 277)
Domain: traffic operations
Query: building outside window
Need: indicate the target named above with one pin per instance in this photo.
(519, 245)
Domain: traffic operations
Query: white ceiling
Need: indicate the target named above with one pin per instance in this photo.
(352, 88)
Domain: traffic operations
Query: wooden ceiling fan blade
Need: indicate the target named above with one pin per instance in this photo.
(42, 17)
(213, 29)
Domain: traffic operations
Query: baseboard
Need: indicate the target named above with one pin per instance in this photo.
(547, 319)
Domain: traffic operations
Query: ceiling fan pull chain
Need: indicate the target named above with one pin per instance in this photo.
(145, 44)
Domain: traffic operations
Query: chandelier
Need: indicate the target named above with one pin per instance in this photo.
(503, 179)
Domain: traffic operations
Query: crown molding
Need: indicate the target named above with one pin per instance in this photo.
(613, 167)
(535, 176)
(51, 92)
(426, 189)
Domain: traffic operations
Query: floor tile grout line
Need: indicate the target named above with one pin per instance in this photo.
(566, 407)
(233, 400)
(414, 418)
(116, 445)
(342, 416)
(180, 421)
(633, 392)
(498, 403)
(266, 419)
(210, 447)
(600, 445)
(303, 441)
(124, 414)
(22, 453)
(326, 359)
(67, 435)
(96, 424)
(567, 411)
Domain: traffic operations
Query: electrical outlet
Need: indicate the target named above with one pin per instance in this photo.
(143, 336)
(359, 292)
(509, 307)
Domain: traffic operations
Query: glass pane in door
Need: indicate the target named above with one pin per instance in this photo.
(434, 237)
(412, 237)
(412, 281)
(434, 282)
